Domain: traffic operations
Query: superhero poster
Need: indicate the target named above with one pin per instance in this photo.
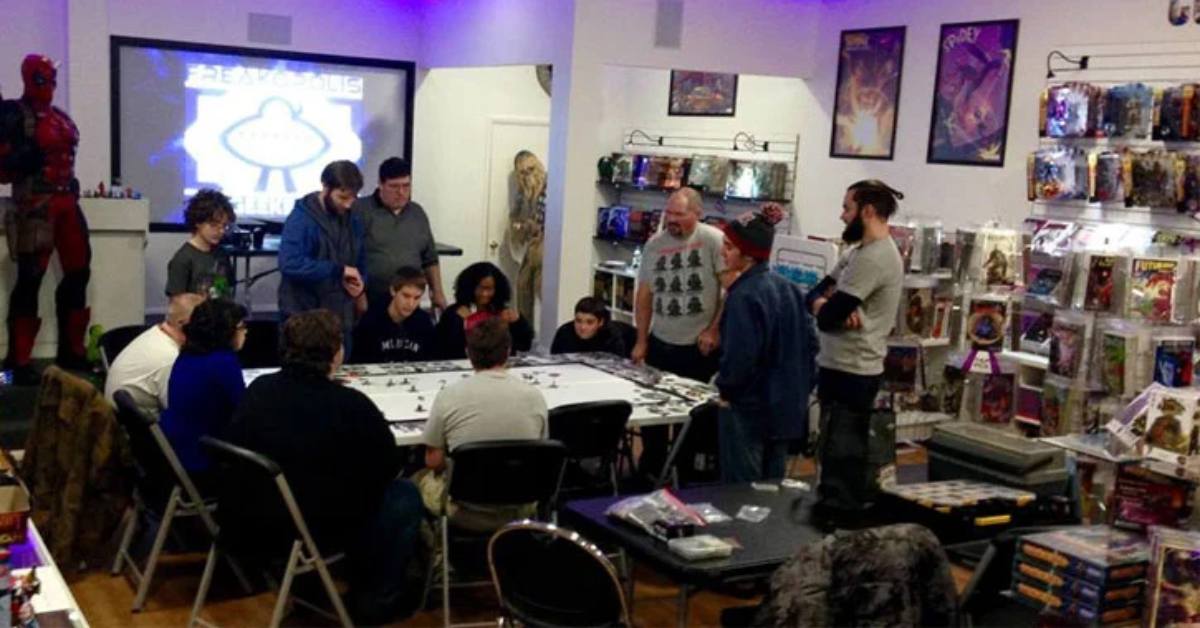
(996, 404)
(1152, 289)
(1066, 348)
(868, 93)
(1100, 282)
(974, 88)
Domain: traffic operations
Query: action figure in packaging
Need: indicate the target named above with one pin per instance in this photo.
(1152, 286)
(1154, 179)
(1129, 111)
(1057, 174)
(1107, 180)
(1071, 110)
(1176, 114)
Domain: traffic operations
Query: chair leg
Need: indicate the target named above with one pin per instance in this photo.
(164, 528)
(335, 598)
(205, 582)
(445, 572)
(238, 573)
(285, 587)
(130, 526)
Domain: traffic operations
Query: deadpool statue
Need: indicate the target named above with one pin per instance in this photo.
(37, 156)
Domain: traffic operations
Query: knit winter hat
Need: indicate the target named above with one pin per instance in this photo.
(754, 233)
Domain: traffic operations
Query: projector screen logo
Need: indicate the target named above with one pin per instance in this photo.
(263, 135)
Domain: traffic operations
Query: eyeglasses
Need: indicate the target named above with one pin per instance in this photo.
(218, 224)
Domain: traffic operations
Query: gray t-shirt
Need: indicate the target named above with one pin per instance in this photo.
(872, 273)
(201, 272)
(489, 405)
(684, 277)
(394, 240)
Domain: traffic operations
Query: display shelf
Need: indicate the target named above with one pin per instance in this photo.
(618, 242)
(619, 188)
(1027, 359)
(1120, 142)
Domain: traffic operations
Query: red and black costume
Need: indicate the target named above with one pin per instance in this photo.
(37, 155)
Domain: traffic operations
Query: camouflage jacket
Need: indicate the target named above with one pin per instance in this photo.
(75, 465)
(894, 575)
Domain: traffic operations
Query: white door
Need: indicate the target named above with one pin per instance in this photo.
(506, 137)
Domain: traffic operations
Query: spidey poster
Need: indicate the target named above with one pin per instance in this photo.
(973, 91)
(868, 93)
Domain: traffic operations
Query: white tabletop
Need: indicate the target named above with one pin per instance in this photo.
(54, 595)
(405, 391)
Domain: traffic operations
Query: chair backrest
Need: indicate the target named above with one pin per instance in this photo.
(262, 345)
(506, 472)
(114, 341)
(549, 576)
(590, 430)
(155, 475)
(258, 513)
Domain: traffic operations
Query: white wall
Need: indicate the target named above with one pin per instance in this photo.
(31, 27)
(450, 176)
(465, 33)
(959, 195)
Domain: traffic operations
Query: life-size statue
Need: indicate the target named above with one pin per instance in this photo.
(526, 229)
(37, 156)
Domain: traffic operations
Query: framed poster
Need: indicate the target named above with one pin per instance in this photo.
(702, 94)
(971, 97)
(868, 93)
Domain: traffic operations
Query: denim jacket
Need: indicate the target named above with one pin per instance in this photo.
(768, 354)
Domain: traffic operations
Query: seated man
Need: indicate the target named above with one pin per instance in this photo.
(589, 332)
(144, 366)
(397, 330)
(489, 405)
(340, 459)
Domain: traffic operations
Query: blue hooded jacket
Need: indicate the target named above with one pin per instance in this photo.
(768, 354)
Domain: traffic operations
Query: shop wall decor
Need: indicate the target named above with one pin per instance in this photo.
(702, 94)
(972, 94)
(868, 93)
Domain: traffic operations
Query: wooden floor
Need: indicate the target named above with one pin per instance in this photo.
(105, 599)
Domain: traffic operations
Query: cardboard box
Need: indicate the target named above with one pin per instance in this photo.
(14, 513)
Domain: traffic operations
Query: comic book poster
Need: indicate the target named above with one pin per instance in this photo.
(1169, 421)
(996, 404)
(1173, 360)
(985, 323)
(1101, 282)
(868, 90)
(1152, 289)
(1055, 400)
(916, 314)
(900, 367)
(1067, 347)
(1115, 349)
(998, 256)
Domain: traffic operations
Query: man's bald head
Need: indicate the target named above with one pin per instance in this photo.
(179, 309)
(684, 210)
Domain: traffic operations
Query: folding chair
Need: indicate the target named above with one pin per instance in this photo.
(494, 474)
(163, 490)
(550, 576)
(589, 431)
(247, 480)
(114, 341)
(695, 446)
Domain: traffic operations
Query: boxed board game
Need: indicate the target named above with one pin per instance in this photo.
(1073, 610)
(1173, 588)
(1101, 555)
(1042, 576)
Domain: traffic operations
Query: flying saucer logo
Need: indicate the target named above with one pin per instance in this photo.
(263, 136)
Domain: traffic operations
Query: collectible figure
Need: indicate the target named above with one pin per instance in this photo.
(37, 156)
(527, 221)
(1152, 289)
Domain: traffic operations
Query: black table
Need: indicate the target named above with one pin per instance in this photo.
(764, 546)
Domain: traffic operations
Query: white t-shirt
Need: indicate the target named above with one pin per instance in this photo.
(144, 368)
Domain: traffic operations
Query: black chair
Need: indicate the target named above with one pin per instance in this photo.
(262, 345)
(494, 474)
(590, 431)
(260, 517)
(114, 341)
(693, 457)
(628, 334)
(163, 490)
(550, 576)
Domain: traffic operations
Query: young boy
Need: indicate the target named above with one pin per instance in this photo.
(200, 266)
(589, 332)
(401, 331)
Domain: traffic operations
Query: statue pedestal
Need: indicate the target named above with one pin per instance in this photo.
(116, 292)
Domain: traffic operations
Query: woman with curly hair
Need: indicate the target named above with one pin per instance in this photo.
(481, 291)
(206, 380)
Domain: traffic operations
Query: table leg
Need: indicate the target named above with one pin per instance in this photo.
(685, 594)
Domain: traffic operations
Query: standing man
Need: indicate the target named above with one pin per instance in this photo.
(678, 307)
(397, 235)
(855, 308)
(768, 360)
(321, 253)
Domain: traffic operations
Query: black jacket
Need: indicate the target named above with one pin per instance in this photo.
(452, 335)
(332, 443)
(606, 339)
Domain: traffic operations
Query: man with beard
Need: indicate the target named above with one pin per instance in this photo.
(321, 252)
(678, 307)
(855, 308)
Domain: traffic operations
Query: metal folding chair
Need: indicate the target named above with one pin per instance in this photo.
(252, 476)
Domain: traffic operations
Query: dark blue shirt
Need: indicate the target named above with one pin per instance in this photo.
(202, 394)
(768, 354)
(378, 338)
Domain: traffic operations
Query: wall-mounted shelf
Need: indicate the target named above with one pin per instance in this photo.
(621, 187)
